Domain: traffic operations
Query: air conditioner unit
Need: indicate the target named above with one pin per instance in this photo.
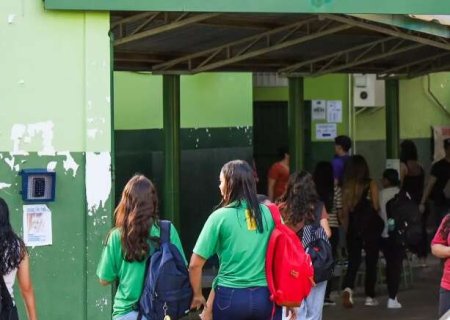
(368, 91)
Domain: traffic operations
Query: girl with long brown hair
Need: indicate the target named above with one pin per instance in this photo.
(130, 243)
(364, 226)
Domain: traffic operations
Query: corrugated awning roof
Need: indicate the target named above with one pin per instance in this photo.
(307, 44)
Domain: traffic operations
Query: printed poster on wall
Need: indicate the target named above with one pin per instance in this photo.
(334, 111)
(37, 225)
(326, 131)
(319, 109)
(440, 133)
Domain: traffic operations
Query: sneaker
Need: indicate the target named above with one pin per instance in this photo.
(347, 298)
(329, 302)
(393, 304)
(371, 302)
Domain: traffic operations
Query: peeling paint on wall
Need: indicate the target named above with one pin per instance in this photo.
(98, 180)
(69, 163)
(51, 166)
(11, 162)
(22, 134)
(4, 185)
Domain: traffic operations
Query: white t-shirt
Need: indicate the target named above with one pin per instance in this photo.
(9, 279)
(386, 195)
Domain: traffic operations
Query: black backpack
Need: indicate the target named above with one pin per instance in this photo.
(366, 222)
(317, 245)
(6, 302)
(406, 215)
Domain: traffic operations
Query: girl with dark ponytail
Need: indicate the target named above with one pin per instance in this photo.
(238, 232)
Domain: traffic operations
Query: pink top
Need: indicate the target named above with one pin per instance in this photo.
(439, 239)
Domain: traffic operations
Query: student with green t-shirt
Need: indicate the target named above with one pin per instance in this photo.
(130, 243)
(238, 232)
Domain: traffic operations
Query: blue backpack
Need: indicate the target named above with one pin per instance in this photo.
(167, 290)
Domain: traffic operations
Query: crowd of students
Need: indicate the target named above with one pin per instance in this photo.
(340, 194)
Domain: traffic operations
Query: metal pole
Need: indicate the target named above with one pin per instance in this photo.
(171, 122)
(296, 124)
(392, 119)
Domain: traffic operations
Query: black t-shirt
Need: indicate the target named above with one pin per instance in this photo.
(441, 171)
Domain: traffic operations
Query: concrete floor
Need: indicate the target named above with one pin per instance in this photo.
(419, 302)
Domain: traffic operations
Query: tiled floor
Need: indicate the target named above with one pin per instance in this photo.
(419, 302)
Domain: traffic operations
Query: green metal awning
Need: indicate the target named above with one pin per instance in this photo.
(260, 6)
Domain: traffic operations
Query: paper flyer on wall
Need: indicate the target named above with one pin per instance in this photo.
(319, 109)
(334, 111)
(37, 225)
(325, 131)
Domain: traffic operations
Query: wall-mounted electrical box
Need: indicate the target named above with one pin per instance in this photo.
(368, 91)
(38, 185)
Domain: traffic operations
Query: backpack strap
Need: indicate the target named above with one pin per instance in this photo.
(276, 215)
(165, 231)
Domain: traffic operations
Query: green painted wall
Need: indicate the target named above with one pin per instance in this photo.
(418, 112)
(55, 102)
(216, 121)
(207, 100)
(417, 109)
(328, 87)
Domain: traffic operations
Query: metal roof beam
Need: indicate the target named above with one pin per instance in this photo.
(393, 51)
(413, 63)
(445, 67)
(133, 18)
(180, 21)
(334, 55)
(246, 48)
(245, 41)
(392, 31)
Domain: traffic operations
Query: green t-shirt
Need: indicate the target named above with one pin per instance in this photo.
(230, 233)
(131, 275)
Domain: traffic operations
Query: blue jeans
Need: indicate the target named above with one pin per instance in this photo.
(243, 304)
(129, 316)
(312, 306)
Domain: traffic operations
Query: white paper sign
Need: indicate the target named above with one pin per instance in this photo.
(319, 110)
(37, 225)
(334, 111)
(325, 131)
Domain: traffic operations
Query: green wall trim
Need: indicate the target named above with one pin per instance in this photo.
(303, 6)
(128, 141)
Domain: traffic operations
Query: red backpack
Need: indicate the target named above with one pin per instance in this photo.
(289, 270)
